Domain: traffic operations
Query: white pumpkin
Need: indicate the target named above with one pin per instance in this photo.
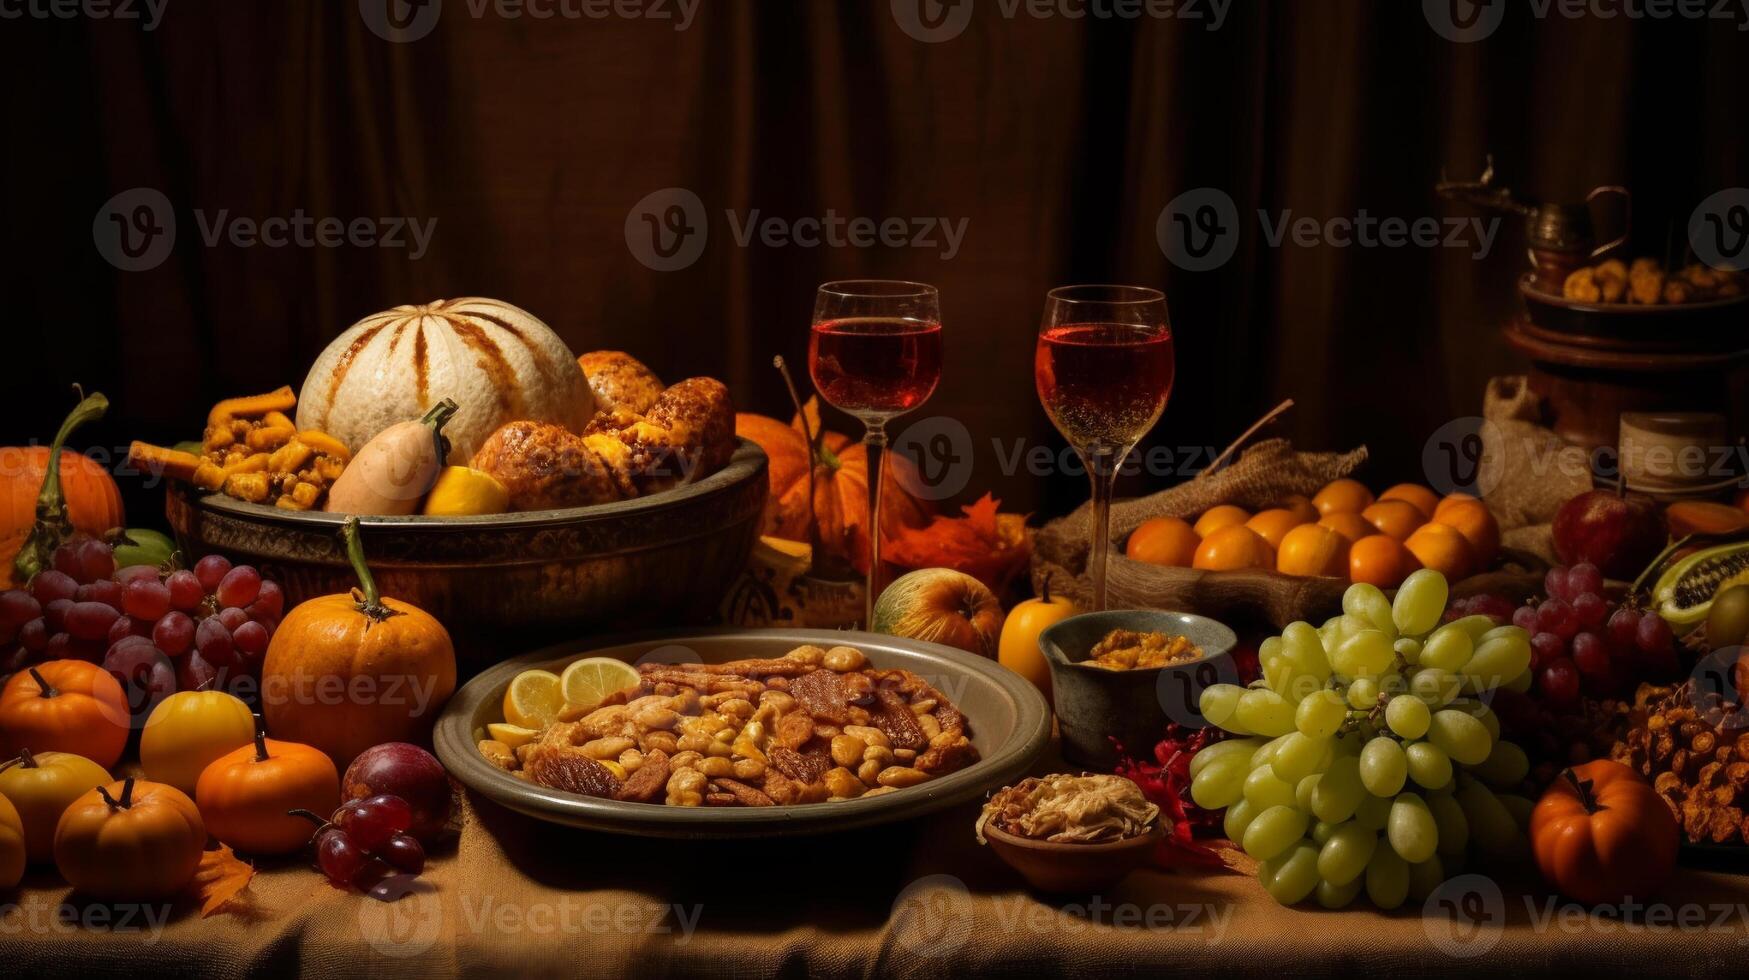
(500, 364)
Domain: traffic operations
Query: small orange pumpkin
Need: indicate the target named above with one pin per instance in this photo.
(839, 484)
(246, 796)
(1601, 834)
(64, 706)
(51, 502)
(131, 841)
(346, 672)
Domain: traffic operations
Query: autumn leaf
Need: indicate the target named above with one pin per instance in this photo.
(221, 877)
(988, 545)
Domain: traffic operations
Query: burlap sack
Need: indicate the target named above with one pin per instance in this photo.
(1526, 471)
(1263, 476)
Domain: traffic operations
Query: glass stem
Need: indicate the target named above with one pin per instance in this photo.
(1102, 470)
(874, 438)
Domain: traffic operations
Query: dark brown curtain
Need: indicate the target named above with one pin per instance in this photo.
(1056, 141)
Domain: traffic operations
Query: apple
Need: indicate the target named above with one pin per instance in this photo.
(411, 773)
(1619, 533)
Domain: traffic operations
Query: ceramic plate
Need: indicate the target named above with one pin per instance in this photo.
(1009, 723)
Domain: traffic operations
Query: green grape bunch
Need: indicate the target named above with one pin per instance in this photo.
(1366, 753)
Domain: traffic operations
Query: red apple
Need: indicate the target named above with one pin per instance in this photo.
(407, 771)
(1617, 533)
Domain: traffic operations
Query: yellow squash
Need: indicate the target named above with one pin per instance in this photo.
(1018, 650)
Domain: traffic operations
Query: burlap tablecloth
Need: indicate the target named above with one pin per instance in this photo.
(518, 898)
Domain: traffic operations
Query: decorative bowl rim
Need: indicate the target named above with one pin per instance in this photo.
(1057, 657)
(1152, 834)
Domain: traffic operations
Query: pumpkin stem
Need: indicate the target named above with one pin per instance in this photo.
(45, 689)
(370, 601)
(127, 795)
(260, 738)
(437, 418)
(1044, 590)
(52, 523)
(1587, 798)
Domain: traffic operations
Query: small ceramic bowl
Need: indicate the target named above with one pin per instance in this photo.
(1057, 867)
(1095, 705)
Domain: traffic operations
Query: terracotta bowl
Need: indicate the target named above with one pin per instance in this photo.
(1095, 705)
(507, 582)
(1050, 866)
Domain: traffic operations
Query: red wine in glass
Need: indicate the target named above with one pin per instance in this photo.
(875, 365)
(1104, 385)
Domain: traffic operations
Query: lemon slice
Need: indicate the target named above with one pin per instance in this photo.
(513, 736)
(589, 681)
(533, 699)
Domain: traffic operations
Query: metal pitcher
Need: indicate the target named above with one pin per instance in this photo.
(1559, 238)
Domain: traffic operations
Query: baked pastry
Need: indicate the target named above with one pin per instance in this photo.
(620, 381)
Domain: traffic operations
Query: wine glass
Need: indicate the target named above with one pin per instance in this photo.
(1104, 368)
(875, 353)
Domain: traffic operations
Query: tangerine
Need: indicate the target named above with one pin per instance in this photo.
(1343, 496)
(1442, 548)
(1397, 518)
(1233, 547)
(1380, 560)
(1473, 520)
(1312, 549)
(1163, 541)
(1301, 504)
(1351, 526)
(1219, 516)
(1425, 500)
(1274, 524)
(1455, 497)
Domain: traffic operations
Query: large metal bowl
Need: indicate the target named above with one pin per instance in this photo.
(507, 582)
(1009, 723)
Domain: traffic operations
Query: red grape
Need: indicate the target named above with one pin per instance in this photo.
(96, 560)
(1495, 607)
(147, 600)
(144, 673)
(1546, 648)
(1582, 578)
(1624, 627)
(121, 629)
(239, 587)
(193, 673)
(1591, 609)
(18, 607)
(403, 853)
(185, 591)
(55, 613)
(232, 617)
(338, 857)
(90, 620)
(270, 601)
(1556, 616)
(1555, 583)
(51, 585)
(65, 560)
(174, 634)
(131, 573)
(1524, 617)
(34, 635)
(371, 822)
(214, 643)
(103, 590)
(212, 570)
(1560, 682)
(1589, 655)
(1653, 634)
(251, 638)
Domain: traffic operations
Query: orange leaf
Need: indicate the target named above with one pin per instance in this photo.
(985, 544)
(220, 878)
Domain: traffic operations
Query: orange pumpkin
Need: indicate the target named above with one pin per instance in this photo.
(1601, 834)
(346, 672)
(840, 486)
(246, 797)
(53, 501)
(64, 706)
(132, 841)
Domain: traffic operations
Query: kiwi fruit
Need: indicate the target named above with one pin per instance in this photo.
(1686, 590)
(1727, 622)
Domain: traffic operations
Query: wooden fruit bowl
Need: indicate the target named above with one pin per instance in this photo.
(506, 582)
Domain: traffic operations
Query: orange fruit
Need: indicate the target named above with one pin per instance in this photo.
(1397, 518)
(1456, 497)
(1442, 548)
(1233, 547)
(1343, 497)
(1351, 526)
(1312, 549)
(1425, 500)
(1163, 541)
(1274, 524)
(1301, 504)
(1219, 516)
(1380, 560)
(1472, 519)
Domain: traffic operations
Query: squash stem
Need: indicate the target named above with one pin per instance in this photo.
(44, 688)
(370, 601)
(52, 523)
(260, 738)
(1583, 788)
(1044, 590)
(437, 418)
(24, 761)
